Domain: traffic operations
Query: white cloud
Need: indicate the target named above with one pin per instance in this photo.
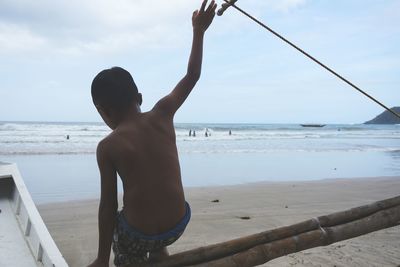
(75, 27)
(17, 38)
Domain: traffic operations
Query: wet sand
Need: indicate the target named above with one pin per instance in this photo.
(73, 225)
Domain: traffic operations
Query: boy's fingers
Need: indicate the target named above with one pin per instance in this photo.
(211, 12)
(203, 6)
(211, 6)
(214, 8)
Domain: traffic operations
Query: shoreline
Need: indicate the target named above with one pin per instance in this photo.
(211, 187)
(268, 205)
(68, 177)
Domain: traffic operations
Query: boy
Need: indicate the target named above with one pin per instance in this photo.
(142, 150)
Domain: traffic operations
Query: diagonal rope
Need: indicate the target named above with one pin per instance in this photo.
(232, 4)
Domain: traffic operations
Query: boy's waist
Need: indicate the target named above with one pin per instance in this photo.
(172, 232)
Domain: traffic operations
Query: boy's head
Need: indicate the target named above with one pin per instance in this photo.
(113, 93)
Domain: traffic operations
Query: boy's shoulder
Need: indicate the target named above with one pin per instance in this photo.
(107, 143)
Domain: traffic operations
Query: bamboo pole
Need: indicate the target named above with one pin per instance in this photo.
(224, 249)
(321, 237)
(358, 212)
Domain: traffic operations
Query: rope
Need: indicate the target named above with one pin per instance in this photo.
(324, 233)
(309, 56)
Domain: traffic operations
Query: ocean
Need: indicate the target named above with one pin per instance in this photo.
(57, 160)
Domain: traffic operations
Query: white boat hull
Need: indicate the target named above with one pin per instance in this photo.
(24, 238)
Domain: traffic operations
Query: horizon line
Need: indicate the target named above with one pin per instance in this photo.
(180, 122)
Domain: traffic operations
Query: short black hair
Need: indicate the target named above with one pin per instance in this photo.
(114, 89)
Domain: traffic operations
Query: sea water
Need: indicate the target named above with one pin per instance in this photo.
(57, 160)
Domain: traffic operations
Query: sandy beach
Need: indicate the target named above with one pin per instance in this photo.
(73, 225)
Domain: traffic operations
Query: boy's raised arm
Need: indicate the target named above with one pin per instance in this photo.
(201, 20)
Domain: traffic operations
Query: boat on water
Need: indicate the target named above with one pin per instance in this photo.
(24, 239)
(313, 125)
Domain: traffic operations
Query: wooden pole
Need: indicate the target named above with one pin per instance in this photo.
(322, 237)
(225, 249)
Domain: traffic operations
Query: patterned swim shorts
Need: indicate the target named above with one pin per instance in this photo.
(132, 246)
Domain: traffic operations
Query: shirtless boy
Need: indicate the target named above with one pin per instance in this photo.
(142, 150)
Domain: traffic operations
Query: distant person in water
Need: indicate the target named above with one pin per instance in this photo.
(67, 137)
(207, 133)
(230, 132)
(142, 150)
(190, 132)
(194, 133)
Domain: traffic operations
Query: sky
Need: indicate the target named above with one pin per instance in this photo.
(50, 52)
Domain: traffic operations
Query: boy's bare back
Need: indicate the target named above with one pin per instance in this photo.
(144, 153)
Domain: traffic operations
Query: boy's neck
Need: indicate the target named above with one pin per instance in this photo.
(131, 114)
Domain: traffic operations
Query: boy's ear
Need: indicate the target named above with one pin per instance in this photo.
(139, 99)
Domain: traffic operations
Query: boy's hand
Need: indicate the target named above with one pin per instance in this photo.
(202, 18)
